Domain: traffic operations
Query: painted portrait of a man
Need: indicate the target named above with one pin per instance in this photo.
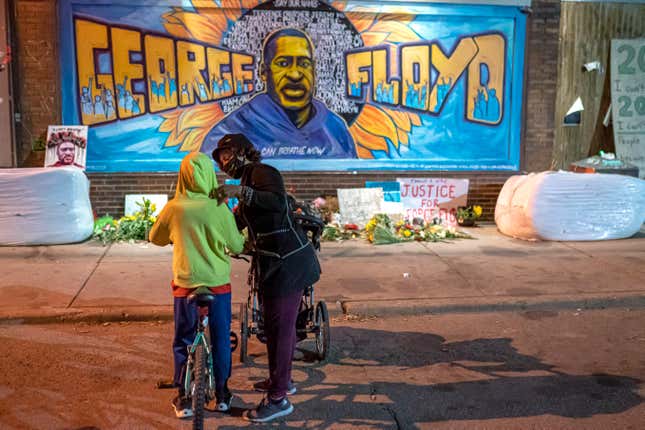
(286, 121)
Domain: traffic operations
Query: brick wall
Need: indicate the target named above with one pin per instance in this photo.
(540, 84)
(39, 92)
(108, 190)
(36, 72)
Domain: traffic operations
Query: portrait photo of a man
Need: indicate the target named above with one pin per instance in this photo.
(285, 120)
(66, 146)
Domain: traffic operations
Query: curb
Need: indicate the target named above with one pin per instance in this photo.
(441, 306)
(109, 314)
(383, 307)
(90, 315)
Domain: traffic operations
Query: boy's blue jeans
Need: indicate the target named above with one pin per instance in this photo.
(219, 323)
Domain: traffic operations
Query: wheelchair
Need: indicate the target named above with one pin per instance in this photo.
(313, 317)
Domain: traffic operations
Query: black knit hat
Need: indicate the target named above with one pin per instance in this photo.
(238, 143)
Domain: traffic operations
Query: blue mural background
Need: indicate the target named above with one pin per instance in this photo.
(443, 142)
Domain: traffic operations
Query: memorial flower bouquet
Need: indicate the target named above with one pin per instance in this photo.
(137, 225)
(127, 228)
(409, 231)
(333, 232)
(105, 229)
(381, 230)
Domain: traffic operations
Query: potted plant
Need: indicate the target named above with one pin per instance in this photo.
(466, 215)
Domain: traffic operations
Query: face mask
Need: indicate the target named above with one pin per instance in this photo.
(233, 167)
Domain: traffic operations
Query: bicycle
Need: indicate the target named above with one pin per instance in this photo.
(199, 382)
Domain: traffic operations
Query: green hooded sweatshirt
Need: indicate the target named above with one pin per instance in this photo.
(200, 229)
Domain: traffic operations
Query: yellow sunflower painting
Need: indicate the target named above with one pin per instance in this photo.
(373, 128)
(314, 85)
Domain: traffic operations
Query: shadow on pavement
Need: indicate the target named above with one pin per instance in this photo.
(505, 384)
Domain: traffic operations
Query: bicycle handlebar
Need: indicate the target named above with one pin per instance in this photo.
(241, 257)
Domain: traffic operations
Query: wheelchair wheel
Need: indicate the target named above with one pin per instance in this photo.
(323, 333)
(244, 331)
(234, 341)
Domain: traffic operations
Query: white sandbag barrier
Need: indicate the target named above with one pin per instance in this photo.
(571, 206)
(44, 206)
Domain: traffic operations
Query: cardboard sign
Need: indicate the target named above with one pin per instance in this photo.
(391, 190)
(391, 197)
(358, 205)
(66, 146)
(628, 100)
(430, 198)
(131, 201)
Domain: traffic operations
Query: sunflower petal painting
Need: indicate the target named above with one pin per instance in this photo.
(315, 85)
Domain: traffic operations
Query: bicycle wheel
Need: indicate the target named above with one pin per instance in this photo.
(244, 331)
(199, 387)
(323, 333)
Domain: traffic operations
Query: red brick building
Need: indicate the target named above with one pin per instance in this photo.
(35, 67)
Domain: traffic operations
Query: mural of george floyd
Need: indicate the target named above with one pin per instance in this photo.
(315, 86)
(331, 92)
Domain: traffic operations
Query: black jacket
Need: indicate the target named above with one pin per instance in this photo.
(287, 261)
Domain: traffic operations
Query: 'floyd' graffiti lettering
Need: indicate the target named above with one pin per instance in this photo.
(427, 76)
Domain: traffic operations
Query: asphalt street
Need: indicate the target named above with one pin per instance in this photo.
(567, 368)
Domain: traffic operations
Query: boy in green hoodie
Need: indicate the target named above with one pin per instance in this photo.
(202, 232)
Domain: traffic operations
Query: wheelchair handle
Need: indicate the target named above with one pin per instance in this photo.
(240, 257)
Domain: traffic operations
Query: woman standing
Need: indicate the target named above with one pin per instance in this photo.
(286, 262)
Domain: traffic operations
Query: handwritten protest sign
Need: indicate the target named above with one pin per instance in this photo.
(358, 205)
(628, 100)
(431, 198)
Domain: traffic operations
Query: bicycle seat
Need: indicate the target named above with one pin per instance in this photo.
(202, 295)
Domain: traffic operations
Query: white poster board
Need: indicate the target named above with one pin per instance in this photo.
(628, 100)
(359, 205)
(392, 208)
(430, 198)
(131, 200)
(66, 146)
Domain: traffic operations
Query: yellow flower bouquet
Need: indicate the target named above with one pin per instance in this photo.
(380, 230)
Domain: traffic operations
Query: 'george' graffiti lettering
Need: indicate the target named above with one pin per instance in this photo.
(123, 73)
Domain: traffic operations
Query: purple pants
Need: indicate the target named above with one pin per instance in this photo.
(280, 315)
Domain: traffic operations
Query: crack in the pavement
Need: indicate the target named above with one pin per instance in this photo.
(617, 267)
(392, 412)
(96, 266)
(576, 249)
(453, 267)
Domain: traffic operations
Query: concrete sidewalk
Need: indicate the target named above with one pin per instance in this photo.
(131, 281)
